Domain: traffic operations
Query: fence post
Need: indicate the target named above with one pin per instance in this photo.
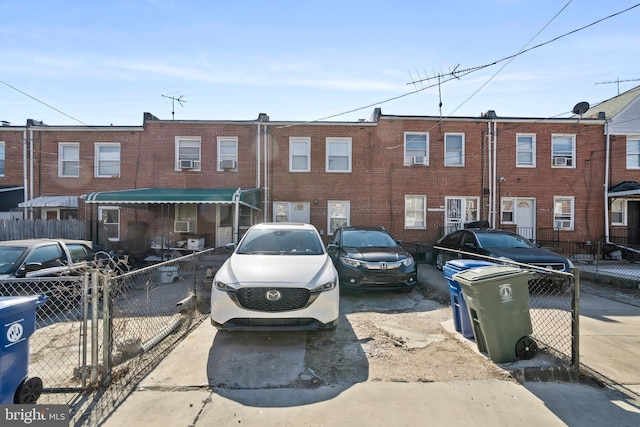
(107, 342)
(575, 320)
(94, 328)
(85, 321)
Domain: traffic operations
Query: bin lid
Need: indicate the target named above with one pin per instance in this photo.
(14, 303)
(487, 273)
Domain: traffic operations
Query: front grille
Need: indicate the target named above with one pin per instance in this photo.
(273, 323)
(553, 266)
(383, 276)
(256, 299)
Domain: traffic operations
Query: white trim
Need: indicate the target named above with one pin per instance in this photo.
(570, 157)
(410, 157)
(61, 145)
(341, 141)
(422, 210)
(195, 141)
(221, 157)
(341, 221)
(462, 150)
(295, 140)
(533, 150)
(97, 159)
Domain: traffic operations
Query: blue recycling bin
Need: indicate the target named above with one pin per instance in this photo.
(461, 319)
(18, 321)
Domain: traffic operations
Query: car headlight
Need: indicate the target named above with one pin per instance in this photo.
(350, 262)
(407, 261)
(221, 286)
(325, 287)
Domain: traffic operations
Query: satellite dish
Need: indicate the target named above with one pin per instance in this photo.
(581, 108)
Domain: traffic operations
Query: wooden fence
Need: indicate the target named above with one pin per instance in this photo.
(14, 229)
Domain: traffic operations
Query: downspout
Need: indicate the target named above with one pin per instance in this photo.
(236, 223)
(489, 171)
(24, 170)
(258, 141)
(31, 172)
(606, 182)
(265, 215)
(495, 172)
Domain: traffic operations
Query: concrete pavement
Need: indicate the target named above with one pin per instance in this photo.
(178, 391)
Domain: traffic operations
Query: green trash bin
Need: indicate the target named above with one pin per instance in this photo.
(497, 298)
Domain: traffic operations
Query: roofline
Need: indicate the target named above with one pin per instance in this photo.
(495, 119)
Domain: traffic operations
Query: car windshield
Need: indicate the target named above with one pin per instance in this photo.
(9, 255)
(280, 242)
(367, 238)
(503, 241)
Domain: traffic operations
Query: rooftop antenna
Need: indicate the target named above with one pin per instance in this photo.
(618, 81)
(173, 104)
(580, 108)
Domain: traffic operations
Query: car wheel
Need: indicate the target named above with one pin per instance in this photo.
(440, 261)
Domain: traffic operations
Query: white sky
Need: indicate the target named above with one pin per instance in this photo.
(107, 62)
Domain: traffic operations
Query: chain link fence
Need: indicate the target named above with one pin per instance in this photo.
(100, 332)
(553, 305)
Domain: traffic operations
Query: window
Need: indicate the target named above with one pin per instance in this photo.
(227, 153)
(416, 148)
(563, 213)
(633, 153)
(110, 224)
(459, 211)
(619, 212)
(415, 212)
(186, 218)
(563, 149)
(454, 149)
(507, 211)
(339, 213)
(69, 159)
(299, 154)
(525, 150)
(107, 160)
(292, 212)
(49, 256)
(188, 153)
(338, 155)
(2, 158)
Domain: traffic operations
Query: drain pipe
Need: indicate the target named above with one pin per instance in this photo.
(606, 182)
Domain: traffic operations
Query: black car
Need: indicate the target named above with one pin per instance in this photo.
(501, 244)
(369, 258)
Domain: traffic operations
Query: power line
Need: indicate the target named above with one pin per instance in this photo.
(43, 103)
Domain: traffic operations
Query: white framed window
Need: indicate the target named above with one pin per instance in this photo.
(563, 215)
(619, 212)
(2, 158)
(227, 153)
(525, 150)
(188, 153)
(633, 153)
(507, 215)
(110, 222)
(416, 148)
(415, 212)
(186, 219)
(338, 154)
(107, 160)
(339, 214)
(69, 159)
(454, 149)
(292, 212)
(563, 151)
(299, 154)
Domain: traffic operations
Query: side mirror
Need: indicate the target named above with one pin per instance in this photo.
(332, 248)
(230, 247)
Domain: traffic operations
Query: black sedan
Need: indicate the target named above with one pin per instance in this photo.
(500, 244)
(369, 258)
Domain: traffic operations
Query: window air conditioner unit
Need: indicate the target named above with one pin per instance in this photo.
(187, 164)
(419, 160)
(227, 164)
(560, 161)
(181, 226)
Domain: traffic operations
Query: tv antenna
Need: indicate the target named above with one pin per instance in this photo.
(618, 81)
(173, 104)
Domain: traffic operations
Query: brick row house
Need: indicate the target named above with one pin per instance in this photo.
(420, 176)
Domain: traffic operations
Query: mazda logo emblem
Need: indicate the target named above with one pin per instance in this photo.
(273, 295)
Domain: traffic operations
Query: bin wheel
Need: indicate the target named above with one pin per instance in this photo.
(526, 348)
(28, 391)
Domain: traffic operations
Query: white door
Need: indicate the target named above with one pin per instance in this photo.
(224, 224)
(525, 218)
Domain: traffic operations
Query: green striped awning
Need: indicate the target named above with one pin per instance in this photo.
(250, 197)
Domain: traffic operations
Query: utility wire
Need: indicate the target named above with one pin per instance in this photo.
(473, 69)
(43, 103)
